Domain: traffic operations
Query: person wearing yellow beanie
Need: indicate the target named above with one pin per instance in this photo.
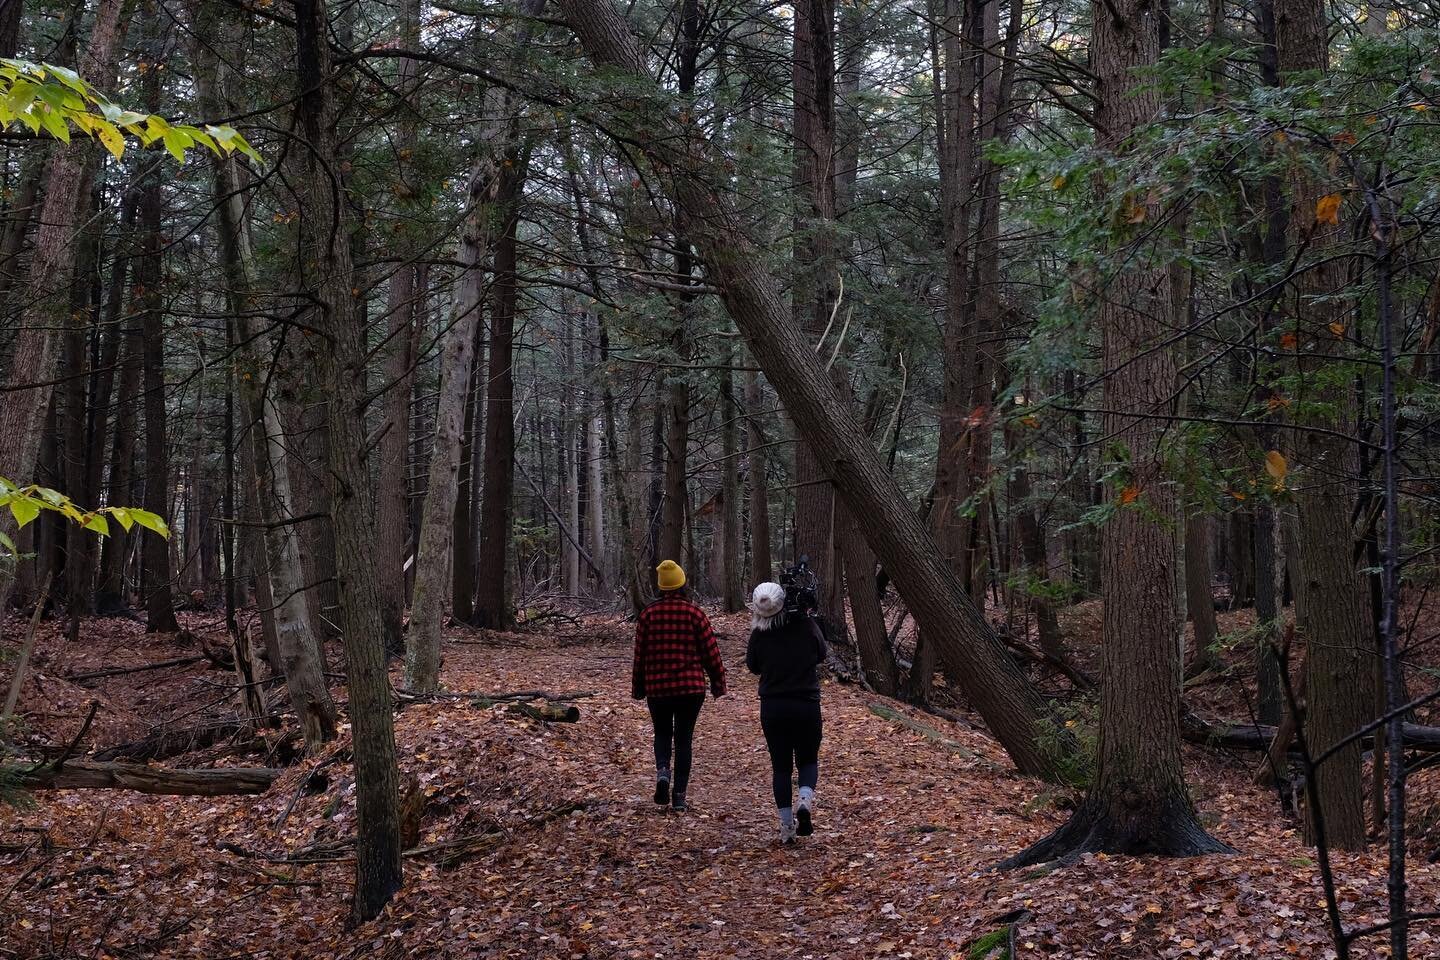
(675, 650)
(669, 576)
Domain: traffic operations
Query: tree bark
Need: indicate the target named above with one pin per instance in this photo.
(266, 463)
(761, 567)
(486, 192)
(111, 596)
(462, 558)
(815, 274)
(1138, 804)
(392, 495)
(142, 778)
(492, 605)
(1332, 604)
(1199, 597)
(688, 167)
(32, 363)
(326, 271)
(149, 278)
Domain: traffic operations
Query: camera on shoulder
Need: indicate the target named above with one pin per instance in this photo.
(802, 587)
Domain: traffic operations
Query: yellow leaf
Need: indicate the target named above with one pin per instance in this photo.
(1338, 329)
(1135, 212)
(1422, 107)
(1059, 182)
(1277, 402)
(1327, 209)
(1129, 495)
(1275, 465)
(1289, 341)
(1237, 494)
(111, 138)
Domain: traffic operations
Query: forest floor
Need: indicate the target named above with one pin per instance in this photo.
(539, 840)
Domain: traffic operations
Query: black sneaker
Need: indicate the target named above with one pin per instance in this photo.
(803, 826)
(677, 802)
(662, 792)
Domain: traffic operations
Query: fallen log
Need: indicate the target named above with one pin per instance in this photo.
(548, 712)
(410, 696)
(88, 775)
(121, 671)
(162, 743)
(1250, 736)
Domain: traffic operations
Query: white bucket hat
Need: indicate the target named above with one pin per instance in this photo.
(766, 603)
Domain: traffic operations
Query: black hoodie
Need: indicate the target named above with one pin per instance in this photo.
(785, 657)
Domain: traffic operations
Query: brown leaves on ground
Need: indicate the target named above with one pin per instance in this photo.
(539, 840)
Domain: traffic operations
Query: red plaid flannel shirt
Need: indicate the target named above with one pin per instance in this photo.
(674, 649)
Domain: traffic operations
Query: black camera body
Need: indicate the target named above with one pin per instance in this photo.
(802, 588)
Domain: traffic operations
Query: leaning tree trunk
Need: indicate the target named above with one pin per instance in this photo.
(1331, 600)
(1138, 803)
(326, 271)
(688, 166)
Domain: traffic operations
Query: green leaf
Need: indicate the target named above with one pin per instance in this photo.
(24, 510)
(176, 142)
(7, 543)
(199, 136)
(122, 516)
(71, 79)
(98, 524)
(150, 521)
(53, 122)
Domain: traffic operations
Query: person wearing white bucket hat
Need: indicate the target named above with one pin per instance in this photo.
(786, 648)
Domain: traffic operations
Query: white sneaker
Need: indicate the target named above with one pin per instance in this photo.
(787, 832)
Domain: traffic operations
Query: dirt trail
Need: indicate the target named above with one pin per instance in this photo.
(912, 814)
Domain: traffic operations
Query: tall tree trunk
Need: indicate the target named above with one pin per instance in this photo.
(1332, 605)
(686, 166)
(283, 598)
(492, 605)
(497, 144)
(761, 567)
(392, 499)
(149, 278)
(328, 274)
(814, 290)
(1031, 535)
(617, 476)
(77, 370)
(462, 558)
(32, 363)
(732, 589)
(111, 595)
(1199, 598)
(1138, 803)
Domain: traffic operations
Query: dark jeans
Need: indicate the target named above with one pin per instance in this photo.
(674, 720)
(792, 732)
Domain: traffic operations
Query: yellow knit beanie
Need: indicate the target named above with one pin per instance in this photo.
(669, 575)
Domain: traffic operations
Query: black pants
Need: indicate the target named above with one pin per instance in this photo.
(674, 720)
(792, 732)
